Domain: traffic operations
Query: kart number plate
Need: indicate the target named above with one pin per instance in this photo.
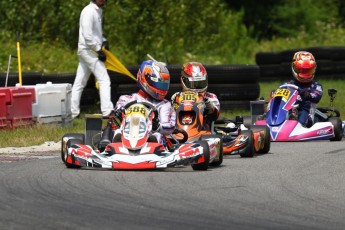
(189, 96)
(285, 93)
(136, 109)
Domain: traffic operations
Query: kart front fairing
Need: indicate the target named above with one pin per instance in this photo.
(292, 130)
(136, 126)
(151, 156)
(282, 102)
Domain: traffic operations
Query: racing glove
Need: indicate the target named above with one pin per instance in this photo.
(209, 105)
(105, 44)
(155, 124)
(304, 94)
(173, 98)
(101, 55)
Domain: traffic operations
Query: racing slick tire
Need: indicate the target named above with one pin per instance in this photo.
(248, 151)
(337, 126)
(73, 138)
(206, 153)
(247, 121)
(267, 141)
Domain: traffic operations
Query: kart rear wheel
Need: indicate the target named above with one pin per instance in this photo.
(248, 151)
(267, 141)
(337, 126)
(206, 154)
(68, 140)
(247, 121)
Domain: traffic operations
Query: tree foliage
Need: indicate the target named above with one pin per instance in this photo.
(288, 18)
(212, 32)
(170, 30)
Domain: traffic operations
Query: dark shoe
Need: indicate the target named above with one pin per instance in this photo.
(293, 115)
(261, 117)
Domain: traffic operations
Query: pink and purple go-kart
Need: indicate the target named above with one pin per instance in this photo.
(284, 126)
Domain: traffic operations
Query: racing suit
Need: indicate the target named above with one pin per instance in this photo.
(309, 95)
(166, 113)
(90, 41)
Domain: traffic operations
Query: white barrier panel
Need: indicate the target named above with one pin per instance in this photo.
(53, 103)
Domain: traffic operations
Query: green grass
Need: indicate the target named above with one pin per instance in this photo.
(37, 134)
(40, 133)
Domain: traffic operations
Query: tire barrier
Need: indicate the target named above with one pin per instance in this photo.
(28, 78)
(235, 85)
(218, 74)
(277, 65)
(66, 78)
(224, 92)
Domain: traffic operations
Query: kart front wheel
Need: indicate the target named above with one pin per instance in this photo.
(67, 141)
(206, 155)
(337, 127)
(220, 152)
(267, 137)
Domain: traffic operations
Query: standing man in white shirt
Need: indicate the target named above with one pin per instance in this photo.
(92, 58)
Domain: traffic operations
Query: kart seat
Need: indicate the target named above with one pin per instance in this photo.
(117, 138)
(152, 138)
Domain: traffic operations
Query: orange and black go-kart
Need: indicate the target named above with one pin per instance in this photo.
(237, 139)
(190, 117)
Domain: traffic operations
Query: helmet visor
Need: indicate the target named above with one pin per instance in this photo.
(305, 72)
(159, 84)
(194, 84)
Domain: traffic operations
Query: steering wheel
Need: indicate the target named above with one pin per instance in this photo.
(184, 134)
(289, 86)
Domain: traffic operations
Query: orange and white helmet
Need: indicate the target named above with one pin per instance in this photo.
(303, 66)
(194, 77)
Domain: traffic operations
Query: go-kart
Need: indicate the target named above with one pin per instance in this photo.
(281, 118)
(191, 117)
(242, 140)
(134, 147)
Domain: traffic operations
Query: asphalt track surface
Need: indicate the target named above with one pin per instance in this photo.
(295, 186)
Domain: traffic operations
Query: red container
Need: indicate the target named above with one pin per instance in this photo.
(4, 100)
(18, 102)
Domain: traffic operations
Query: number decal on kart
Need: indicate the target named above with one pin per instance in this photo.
(136, 109)
(189, 96)
(285, 93)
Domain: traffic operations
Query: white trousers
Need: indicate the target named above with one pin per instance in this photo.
(89, 63)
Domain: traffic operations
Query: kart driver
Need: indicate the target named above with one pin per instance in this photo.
(153, 79)
(310, 91)
(194, 78)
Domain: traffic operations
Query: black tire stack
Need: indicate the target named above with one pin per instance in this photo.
(28, 78)
(276, 66)
(234, 85)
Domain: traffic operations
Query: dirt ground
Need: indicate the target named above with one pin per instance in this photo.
(47, 147)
